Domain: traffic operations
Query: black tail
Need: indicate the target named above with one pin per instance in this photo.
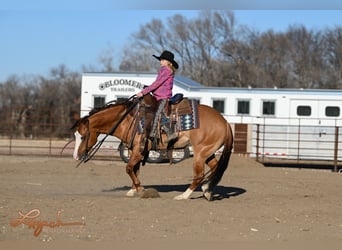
(222, 164)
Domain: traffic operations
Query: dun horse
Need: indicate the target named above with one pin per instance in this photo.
(213, 133)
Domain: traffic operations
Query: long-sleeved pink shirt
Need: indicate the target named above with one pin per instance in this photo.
(161, 88)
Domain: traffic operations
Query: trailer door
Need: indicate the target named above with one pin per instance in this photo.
(304, 129)
(312, 131)
(330, 117)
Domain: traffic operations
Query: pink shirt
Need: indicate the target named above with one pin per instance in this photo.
(161, 88)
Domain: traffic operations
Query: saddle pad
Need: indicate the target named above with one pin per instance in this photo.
(183, 108)
(190, 121)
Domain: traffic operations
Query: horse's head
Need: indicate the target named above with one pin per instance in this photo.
(84, 139)
(111, 119)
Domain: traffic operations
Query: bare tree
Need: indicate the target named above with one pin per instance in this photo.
(137, 60)
(302, 52)
(333, 57)
(195, 42)
(213, 50)
(40, 106)
(16, 103)
(207, 34)
(106, 59)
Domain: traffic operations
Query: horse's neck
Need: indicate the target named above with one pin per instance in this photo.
(110, 118)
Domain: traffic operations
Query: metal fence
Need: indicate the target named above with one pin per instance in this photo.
(266, 143)
(52, 147)
(298, 144)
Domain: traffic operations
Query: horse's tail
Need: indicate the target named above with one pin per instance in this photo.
(222, 164)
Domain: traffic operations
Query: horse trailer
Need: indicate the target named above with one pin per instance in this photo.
(302, 124)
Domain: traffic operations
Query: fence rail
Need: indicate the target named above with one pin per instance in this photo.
(262, 141)
(51, 147)
(297, 143)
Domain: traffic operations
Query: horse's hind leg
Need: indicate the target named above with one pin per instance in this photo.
(198, 168)
(212, 163)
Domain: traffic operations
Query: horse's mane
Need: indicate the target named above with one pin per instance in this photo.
(105, 106)
(98, 109)
(148, 99)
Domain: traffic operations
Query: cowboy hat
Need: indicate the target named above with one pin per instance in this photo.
(167, 55)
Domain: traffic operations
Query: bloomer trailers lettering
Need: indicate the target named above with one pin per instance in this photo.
(278, 123)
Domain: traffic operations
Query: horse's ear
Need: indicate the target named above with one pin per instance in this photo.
(84, 120)
(75, 124)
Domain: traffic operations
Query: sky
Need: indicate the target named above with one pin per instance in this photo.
(38, 35)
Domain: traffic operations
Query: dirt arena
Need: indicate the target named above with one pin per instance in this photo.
(252, 203)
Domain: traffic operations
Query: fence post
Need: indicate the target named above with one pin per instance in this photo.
(10, 145)
(50, 146)
(257, 142)
(298, 140)
(336, 149)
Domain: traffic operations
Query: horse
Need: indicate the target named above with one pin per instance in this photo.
(213, 133)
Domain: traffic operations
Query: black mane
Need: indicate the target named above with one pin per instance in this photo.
(98, 109)
(105, 106)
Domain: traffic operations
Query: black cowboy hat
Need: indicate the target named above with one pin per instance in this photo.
(167, 55)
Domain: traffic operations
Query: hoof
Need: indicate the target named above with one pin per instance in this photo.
(179, 197)
(133, 191)
(206, 193)
(184, 196)
(208, 196)
(205, 187)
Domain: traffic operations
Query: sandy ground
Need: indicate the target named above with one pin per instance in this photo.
(252, 203)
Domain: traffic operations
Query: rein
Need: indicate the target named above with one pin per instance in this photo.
(66, 145)
(89, 154)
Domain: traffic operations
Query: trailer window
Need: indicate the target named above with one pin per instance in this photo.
(121, 99)
(304, 110)
(243, 107)
(218, 105)
(99, 101)
(268, 108)
(332, 111)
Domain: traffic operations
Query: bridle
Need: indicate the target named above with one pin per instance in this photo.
(85, 156)
(90, 152)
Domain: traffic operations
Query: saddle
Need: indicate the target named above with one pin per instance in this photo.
(178, 110)
(178, 105)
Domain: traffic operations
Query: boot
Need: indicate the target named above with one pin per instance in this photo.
(170, 131)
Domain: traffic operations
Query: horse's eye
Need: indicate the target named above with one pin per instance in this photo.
(82, 138)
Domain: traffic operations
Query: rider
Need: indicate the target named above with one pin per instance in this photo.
(161, 88)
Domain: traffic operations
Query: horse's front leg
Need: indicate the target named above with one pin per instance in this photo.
(132, 169)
